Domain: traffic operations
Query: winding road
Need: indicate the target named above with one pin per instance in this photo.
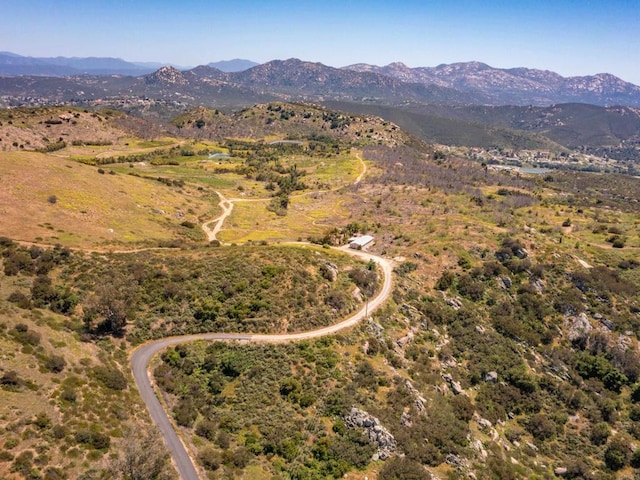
(142, 355)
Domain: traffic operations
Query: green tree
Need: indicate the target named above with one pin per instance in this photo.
(618, 453)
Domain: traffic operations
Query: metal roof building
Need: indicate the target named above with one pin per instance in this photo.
(358, 243)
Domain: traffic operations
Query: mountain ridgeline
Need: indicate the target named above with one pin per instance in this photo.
(458, 83)
(464, 104)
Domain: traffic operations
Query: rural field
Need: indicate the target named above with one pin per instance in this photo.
(508, 347)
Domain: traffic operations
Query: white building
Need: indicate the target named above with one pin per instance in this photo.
(358, 243)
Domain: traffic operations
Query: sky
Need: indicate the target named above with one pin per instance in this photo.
(570, 37)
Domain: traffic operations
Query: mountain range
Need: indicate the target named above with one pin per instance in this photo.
(469, 104)
(515, 86)
(458, 83)
(14, 64)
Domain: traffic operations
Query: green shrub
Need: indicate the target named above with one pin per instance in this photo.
(111, 377)
(541, 427)
(600, 433)
(402, 468)
(55, 363)
(618, 453)
(20, 299)
(210, 459)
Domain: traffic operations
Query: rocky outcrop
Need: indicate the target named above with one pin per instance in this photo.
(374, 431)
(604, 321)
(357, 295)
(419, 400)
(329, 271)
(504, 282)
(455, 386)
(538, 285)
(578, 326)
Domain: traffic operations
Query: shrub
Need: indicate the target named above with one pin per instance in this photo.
(185, 412)
(210, 459)
(541, 427)
(20, 299)
(207, 429)
(111, 377)
(600, 433)
(618, 453)
(402, 468)
(96, 440)
(42, 421)
(68, 395)
(405, 268)
(23, 463)
(55, 363)
(10, 379)
(618, 243)
(25, 336)
(365, 279)
(336, 299)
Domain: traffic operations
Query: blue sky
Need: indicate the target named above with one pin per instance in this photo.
(569, 37)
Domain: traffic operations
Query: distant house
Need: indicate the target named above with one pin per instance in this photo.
(358, 243)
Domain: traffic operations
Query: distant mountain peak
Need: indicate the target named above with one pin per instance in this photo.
(234, 65)
(398, 65)
(166, 75)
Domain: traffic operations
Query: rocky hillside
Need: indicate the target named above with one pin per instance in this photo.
(515, 86)
(508, 349)
(50, 129)
(287, 121)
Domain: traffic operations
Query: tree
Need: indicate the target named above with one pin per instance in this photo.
(142, 456)
(105, 311)
(618, 453)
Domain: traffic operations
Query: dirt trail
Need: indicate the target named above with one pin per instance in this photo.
(226, 204)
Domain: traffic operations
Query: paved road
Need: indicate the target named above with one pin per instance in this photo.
(142, 356)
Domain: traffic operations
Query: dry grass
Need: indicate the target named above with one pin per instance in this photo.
(32, 129)
(307, 215)
(90, 208)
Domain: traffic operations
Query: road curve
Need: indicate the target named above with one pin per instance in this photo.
(143, 354)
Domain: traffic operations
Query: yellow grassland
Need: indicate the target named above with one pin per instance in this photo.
(90, 208)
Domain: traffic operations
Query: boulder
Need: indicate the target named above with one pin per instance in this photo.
(374, 431)
(455, 386)
(482, 453)
(329, 271)
(419, 401)
(578, 326)
(538, 285)
(458, 462)
(491, 377)
(454, 303)
(357, 295)
(520, 252)
(504, 282)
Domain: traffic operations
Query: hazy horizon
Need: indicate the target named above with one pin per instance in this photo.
(572, 38)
